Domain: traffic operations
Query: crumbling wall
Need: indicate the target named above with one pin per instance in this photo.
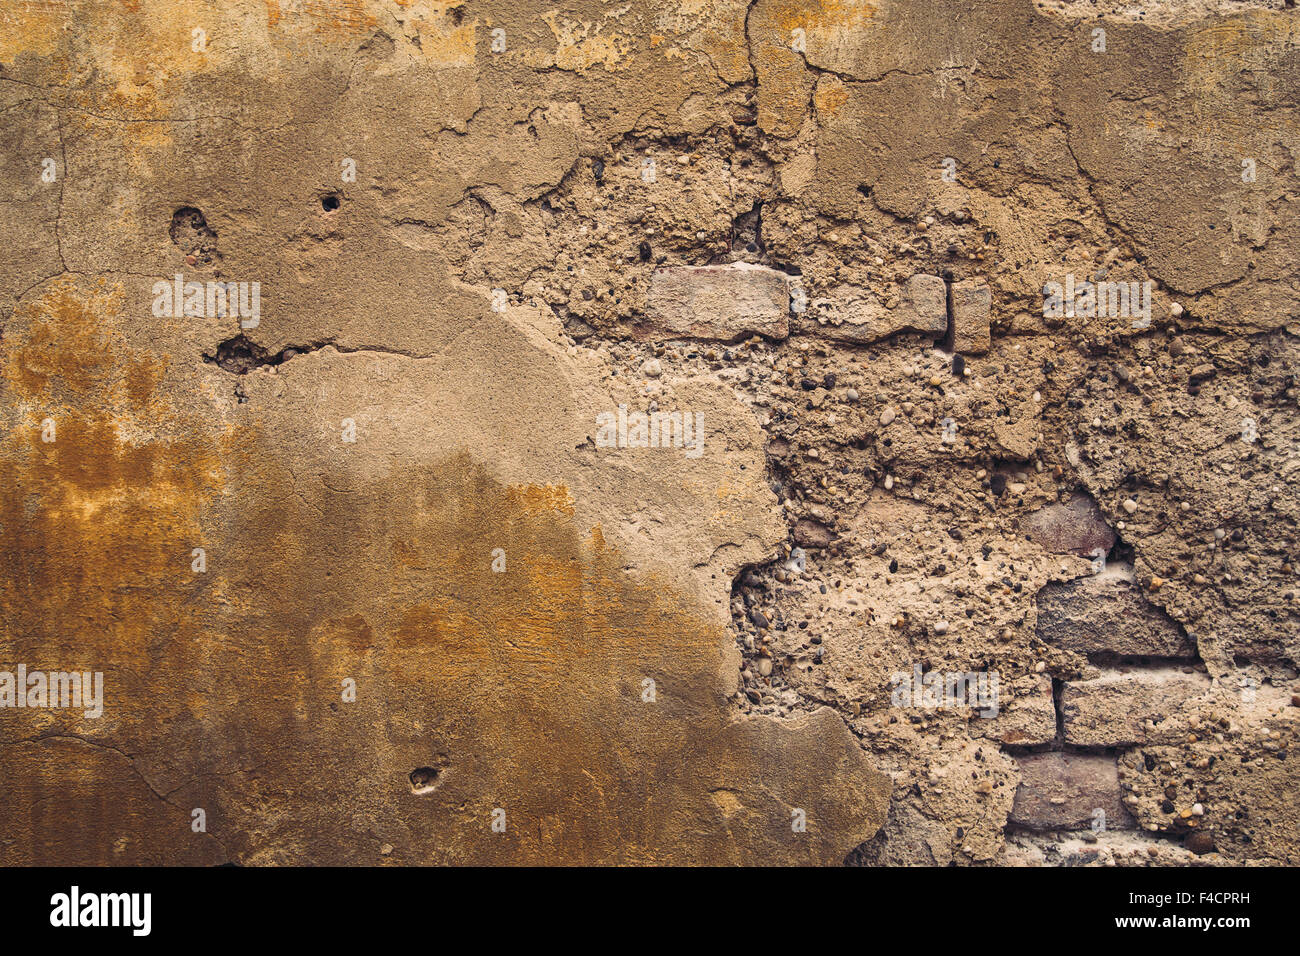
(624, 414)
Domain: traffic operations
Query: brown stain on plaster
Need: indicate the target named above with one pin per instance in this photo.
(225, 687)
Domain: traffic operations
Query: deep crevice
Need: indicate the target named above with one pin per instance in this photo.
(950, 330)
(1058, 692)
(240, 355)
(190, 232)
(427, 779)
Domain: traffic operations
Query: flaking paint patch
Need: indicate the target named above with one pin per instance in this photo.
(580, 45)
(30, 28)
(1216, 57)
(323, 17)
(829, 16)
(830, 95)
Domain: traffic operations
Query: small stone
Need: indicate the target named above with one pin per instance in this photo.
(1200, 842)
(941, 628)
(851, 394)
(764, 666)
(888, 415)
(1130, 505)
(652, 368)
(889, 482)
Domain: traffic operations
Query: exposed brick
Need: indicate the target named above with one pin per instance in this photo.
(1077, 527)
(1106, 614)
(1060, 791)
(717, 302)
(862, 319)
(1111, 711)
(925, 303)
(972, 304)
(1026, 716)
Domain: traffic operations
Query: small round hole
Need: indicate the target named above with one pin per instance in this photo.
(424, 779)
(329, 203)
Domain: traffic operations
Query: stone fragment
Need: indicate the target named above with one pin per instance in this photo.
(1200, 842)
(1025, 716)
(717, 302)
(1107, 614)
(1114, 711)
(1017, 439)
(1063, 791)
(972, 304)
(1077, 527)
(812, 534)
(857, 316)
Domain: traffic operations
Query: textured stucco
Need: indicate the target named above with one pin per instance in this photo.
(478, 227)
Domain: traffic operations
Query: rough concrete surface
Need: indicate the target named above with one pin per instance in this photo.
(744, 432)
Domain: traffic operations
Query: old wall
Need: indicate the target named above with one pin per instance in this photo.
(370, 561)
